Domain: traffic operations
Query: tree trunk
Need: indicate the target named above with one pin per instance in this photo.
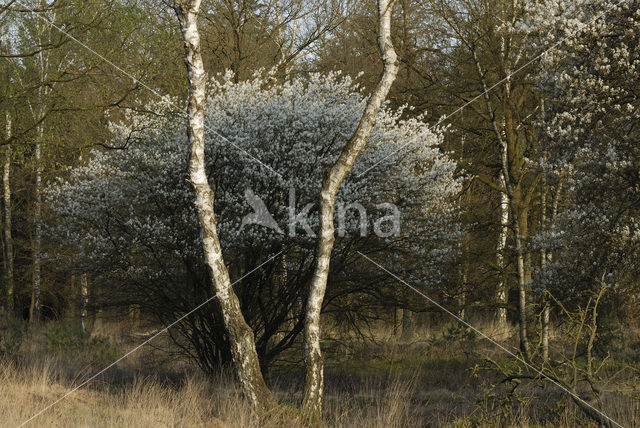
(314, 381)
(38, 114)
(467, 239)
(408, 325)
(502, 289)
(397, 322)
(6, 184)
(547, 256)
(514, 207)
(34, 315)
(522, 291)
(520, 257)
(462, 297)
(543, 262)
(84, 302)
(240, 335)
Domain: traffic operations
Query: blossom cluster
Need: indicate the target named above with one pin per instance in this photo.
(130, 213)
(591, 79)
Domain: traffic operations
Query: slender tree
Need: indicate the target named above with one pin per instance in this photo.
(38, 111)
(502, 289)
(314, 381)
(8, 238)
(240, 335)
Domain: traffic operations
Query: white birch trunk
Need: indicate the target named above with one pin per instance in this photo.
(43, 92)
(37, 236)
(502, 290)
(547, 256)
(522, 292)
(314, 381)
(462, 298)
(240, 335)
(543, 262)
(515, 218)
(84, 302)
(6, 184)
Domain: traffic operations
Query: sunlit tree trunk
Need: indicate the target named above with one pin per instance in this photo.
(84, 302)
(521, 273)
(8, 239)
(314, 381)
(38, 113)
(462, 297)
(37, 235)
(547, 256)
(507, 140)
(502, 289)
(240, 335)
(543, 262)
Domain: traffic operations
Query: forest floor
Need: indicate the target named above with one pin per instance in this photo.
(443, 377)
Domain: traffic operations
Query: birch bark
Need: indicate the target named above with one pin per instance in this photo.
(502, 245)
(37, 237)
(8, 239)
(516, 219)
(522, 292)
(240, 335)
(543, 262)
(547, 256)
(314, 381)
(84, 303)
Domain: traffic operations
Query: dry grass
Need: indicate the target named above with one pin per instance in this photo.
(143, 403)
(194, 402)
(384, 383)
(197, 402)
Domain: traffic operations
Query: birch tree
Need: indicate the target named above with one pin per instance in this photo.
(43, 36)
(502, 289)
(240, 336)
(314, 378)
(8, 238)
(491, 40)
(42, 63)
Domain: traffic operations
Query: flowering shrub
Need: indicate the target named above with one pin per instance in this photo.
(128, 216)
(592, 82)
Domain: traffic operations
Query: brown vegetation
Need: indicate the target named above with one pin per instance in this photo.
(378, 381)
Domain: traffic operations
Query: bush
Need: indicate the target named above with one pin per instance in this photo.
(67, 337)
(127, 217)
(13, 332)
